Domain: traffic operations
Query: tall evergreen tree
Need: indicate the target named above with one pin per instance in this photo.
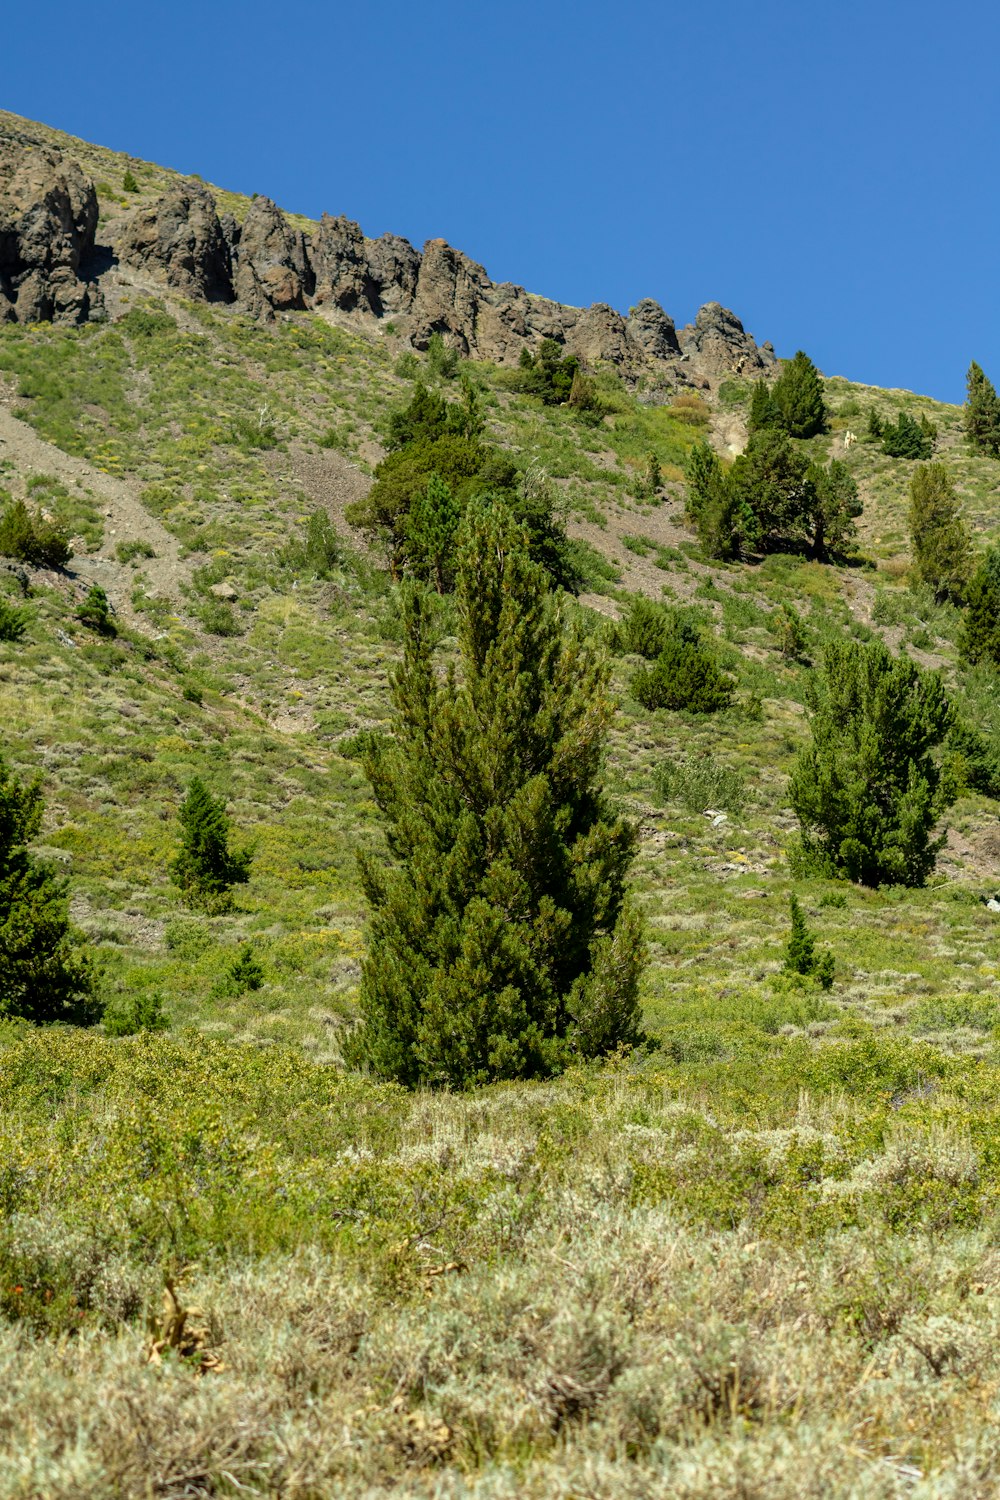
(798, 396)
(979, 640)
(868, 791)
(833, 507)
(941, 543)
(44, 973)
(726, 526)
(982, 413)
(206, 868)
(501, 942)
(800, 952)
(764, 410)
(769, 480)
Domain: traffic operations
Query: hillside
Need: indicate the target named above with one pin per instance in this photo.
(757, 1260)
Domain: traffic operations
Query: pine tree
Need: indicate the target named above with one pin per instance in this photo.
(431, 526)
(798, 397)
(906, 438)
(833, 507)
(764, 410)
(44, 974)
(982, 413)
(501, 942)
(206, 868)
(768, 482)
(95, 612)
(800, 953)
(941, 543)
(979, 640)
(868, 790)
(726, 527)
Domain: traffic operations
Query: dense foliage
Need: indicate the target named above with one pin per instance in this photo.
(206, 868)
(982, 413)
(867, 790)
(684, 675)
(29, 537)
(44, 974)
(940, 540)
(794, 403)
(501, 943)
(979, 640)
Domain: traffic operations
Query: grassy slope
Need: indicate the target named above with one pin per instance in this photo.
(761, 1256)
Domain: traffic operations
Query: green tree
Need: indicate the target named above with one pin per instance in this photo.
(44, 973)
(797, 395)
(940, 540)
(832, 507)
(876, 427)
(769, 484)
(13, 622)
(867, 790)
(206, 868)
(431, 526)
(441, 360)
(982, 413)
(764, 410)
(800, 953)
(95, 612)
(129, 184)
(726, 527)
(685, 675)
(979, 638)
(907, 438)
(501, 942)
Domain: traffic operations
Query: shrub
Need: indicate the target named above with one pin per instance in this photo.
(219, 618)
(501, 942)
(32, 539)
(44, 974)
(699, 782)
(643, 629)
(547, 373)
(907, 438)
(243, 973)
(95, 612)
(206, 868)
(867, 791)
(800, 954)
(441, 360)
(685, 675)
(317, 552)
(13, 622)
(786, 624)
(127, 552)
(129, 184)
(142, 1011)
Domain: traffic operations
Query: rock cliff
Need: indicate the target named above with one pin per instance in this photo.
(266, 267)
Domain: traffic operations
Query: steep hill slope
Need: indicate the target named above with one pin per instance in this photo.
(757, 1261)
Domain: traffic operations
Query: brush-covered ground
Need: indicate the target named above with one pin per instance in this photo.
(760, 1260)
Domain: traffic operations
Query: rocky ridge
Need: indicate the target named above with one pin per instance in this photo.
(51, 269)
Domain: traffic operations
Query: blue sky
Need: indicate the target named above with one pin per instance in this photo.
(830, 177)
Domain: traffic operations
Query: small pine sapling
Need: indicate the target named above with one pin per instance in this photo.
(800, 952)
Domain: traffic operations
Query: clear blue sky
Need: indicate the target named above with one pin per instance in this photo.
(829, 173)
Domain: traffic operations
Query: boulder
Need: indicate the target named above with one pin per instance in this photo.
(273, 273)
(180, 238)
(48, 219)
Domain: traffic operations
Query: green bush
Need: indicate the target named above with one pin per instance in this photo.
(907, 438)
(979, 638)
(127, 552)
(44, 974)
(868, 791)
(685, 675)
(317, 552)
(800, 954)
(32, 539)
(699, 782)
(942, 546)
(13, 622)
(95, 612)
(140, 1011)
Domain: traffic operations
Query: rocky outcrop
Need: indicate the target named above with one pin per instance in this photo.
(180, 238)
(272, 270)
(48, 217)
(717, 342)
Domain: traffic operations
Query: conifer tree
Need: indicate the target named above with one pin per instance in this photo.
(941, 543)
(764, 410)
(868, 790)
(431, 526)
(725, 525)
(979, 640)
(44, 974)
(833, 507)
(800, 953)
(798, 397)
(206, 868)
(982, 413)
(501, 941)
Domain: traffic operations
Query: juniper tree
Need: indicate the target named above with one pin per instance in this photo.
(501, 942)
(979, 640)
(206, 868)
(982, 412)
(44, 973)
(867, 790)
(832, 507)
(942, 546)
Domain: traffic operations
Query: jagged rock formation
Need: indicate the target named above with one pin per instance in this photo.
(48, 215)
(180, 238)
